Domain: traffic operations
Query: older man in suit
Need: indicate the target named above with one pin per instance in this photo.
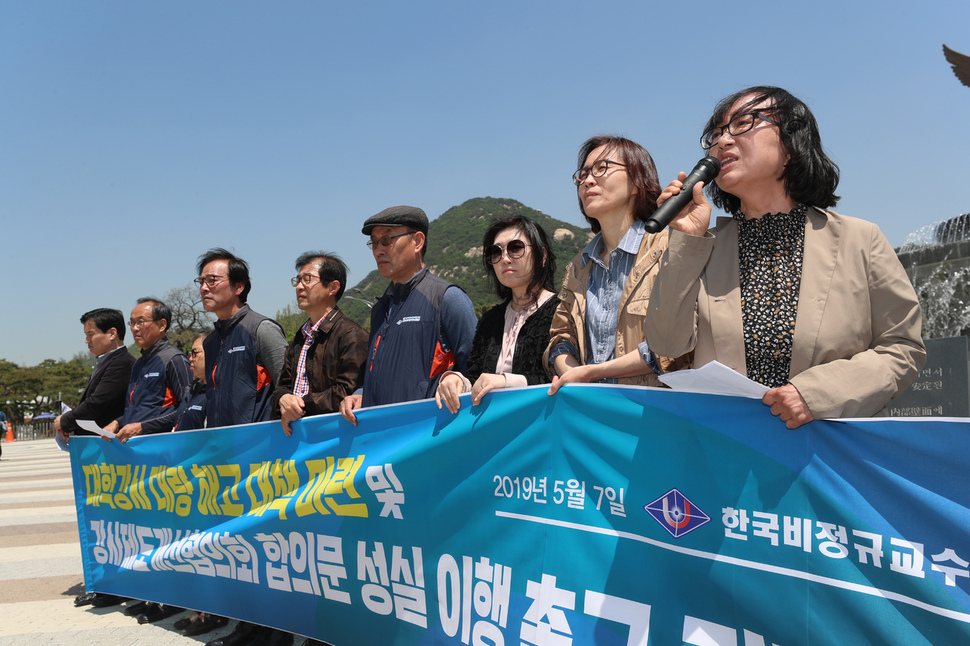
(103, 400)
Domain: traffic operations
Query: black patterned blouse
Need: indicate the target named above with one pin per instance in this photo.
(770, 255)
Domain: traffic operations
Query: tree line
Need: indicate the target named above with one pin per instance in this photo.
(27, 391)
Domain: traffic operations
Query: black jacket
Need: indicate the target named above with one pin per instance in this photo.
(103, 400)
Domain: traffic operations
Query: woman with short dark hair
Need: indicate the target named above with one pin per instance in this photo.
(597, 332)
(813, 304)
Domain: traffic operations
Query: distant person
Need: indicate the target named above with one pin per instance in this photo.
(597, 331)
(813, 304)
(192, 417)
(325, 361)
(511, 337)
(103, 399)
(421, 327)
(244, 355)
(192, 413)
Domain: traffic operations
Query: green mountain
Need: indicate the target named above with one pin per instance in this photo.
(455, 252)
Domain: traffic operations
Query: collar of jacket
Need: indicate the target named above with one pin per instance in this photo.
(147, 352)
(325, 325)
(397, 292)
(223, 327)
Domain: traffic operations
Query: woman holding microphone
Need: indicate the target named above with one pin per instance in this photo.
(813, 304)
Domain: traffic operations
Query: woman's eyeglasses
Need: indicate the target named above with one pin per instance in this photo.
(596, 170)
(737, 126)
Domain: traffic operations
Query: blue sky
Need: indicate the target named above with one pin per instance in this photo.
(136, 135)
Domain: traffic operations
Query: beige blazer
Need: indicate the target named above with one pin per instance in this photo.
(569, 321)
(857, 341)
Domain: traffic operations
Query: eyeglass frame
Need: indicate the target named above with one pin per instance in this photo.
(306, 279)
(193, 352)
(727, 127)
(578, 178)
(134, 325)
(385, 241)
(209, 281)
(489, 252)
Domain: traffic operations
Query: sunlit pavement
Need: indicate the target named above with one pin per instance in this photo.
(40, 561)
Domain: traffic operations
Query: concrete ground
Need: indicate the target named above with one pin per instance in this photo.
(40, 561)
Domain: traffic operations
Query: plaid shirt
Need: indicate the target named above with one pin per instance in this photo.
(301, 385)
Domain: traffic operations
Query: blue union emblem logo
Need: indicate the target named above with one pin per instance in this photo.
(676, 513)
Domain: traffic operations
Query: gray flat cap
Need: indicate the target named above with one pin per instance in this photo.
(398, 216)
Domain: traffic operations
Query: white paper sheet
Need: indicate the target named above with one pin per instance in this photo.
(716, 379)
(89, 425)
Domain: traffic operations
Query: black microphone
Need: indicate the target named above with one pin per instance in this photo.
(705, 171)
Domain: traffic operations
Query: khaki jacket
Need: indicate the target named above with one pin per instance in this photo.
(857, 340)
(569, 321)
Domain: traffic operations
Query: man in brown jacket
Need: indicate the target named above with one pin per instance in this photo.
(325, 361)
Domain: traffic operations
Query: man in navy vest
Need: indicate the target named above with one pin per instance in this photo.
(243, 359)
(421, 327)
(160, 379)
(244, 354)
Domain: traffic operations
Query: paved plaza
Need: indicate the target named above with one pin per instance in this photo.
(40, 561)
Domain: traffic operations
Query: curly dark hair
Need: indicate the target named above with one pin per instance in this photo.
(810, 176)
(543, 259)
(639, 166)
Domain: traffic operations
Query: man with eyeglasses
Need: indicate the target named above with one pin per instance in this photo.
(325, 361)
(421, 327)
(243, 359)
(244, 354)
(160, 379)
(103, 399)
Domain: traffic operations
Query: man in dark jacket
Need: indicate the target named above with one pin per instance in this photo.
(160, 379)
(325, 361)
(103, 400)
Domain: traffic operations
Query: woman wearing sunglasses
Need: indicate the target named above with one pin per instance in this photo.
(813, 304)
(597, 332)
(508, 344)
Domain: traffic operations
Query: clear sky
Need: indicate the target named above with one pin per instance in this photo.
(136, 135)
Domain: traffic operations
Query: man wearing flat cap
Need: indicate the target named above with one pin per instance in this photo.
(421, 327)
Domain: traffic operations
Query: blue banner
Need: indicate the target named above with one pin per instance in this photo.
(603, 515)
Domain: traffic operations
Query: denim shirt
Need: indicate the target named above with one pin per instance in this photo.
(603, 292)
